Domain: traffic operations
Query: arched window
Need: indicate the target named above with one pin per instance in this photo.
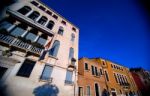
(34, 15)
(71, 53)
(72, 37)
(42, 20)
(24, 10)
(54, 50)
(61, 30)
(97, 90)
(106, 75)
(50, 25)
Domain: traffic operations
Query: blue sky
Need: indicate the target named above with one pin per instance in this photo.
(116, 30)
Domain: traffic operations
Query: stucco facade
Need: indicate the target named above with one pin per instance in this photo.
(16, 52)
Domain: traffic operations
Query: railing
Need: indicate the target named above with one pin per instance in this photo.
(6, 39)
(13, 41)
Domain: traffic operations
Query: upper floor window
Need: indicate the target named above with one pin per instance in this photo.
(86, 66)
(46, 74)
(106, 75)
(101, 72)
(72, 37)
(42, 8)
(96, 71)
(103, 62)
(71, 53)
(50, 25)
(69, 75)
(93, 70)
(42, 39)
(54, 50)
(115, 77)
(80, 91)
(61, 30)
(49, 12)
(34, 3)
(34, 15)
(74, 29)
(26, 68)
(24, 10)
(63, 22)
(42, 20)
(56, 17)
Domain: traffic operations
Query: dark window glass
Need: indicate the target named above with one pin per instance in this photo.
(80, 89)
(63, 22)
(26, 68)
(61, 30)
(86, 66)
(42, 8)
(101, 72)
(48, 12)
(115, 77)
(54, 50)
(93, 72)
(96, 72)
(34, 3)
(2, 71)
(34, 15)
(56, 17)
(46, 74)
(106, 75)
(42, 20)
(24, 10)
(50, 25)
(97, 90)
(74, 29)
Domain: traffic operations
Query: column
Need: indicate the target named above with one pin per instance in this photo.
(26, 31)
(46, 23)
(38, 18)
(29, 13)
(13, 26)
(38, 35)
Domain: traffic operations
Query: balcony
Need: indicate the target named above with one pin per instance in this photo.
(71, 65)
(21, 44)
(30, 21)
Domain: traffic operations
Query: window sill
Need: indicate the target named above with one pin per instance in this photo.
(69, 83)
(53, 57)
(48, 80)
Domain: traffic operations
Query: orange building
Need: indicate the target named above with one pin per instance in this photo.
(91, 81)
(119, 79)
(99, 77)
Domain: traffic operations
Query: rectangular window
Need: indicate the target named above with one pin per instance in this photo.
(86, 66)
(49, 12)
(106, 75)
(46, 74)
(26, 68)
(56, 17)
(63, 22)
(34, 3)
(116, 78)
(80, 91)
(69, 77)
(96, 72)
(93, 72)
(42, 8)
(88, 91)
(101, 72)
(2, 71)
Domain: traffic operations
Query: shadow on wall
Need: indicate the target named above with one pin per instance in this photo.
(46, 90)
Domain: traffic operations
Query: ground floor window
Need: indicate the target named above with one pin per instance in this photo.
(88, 92)
(2, 71)
(26, 68)
(80, 91)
